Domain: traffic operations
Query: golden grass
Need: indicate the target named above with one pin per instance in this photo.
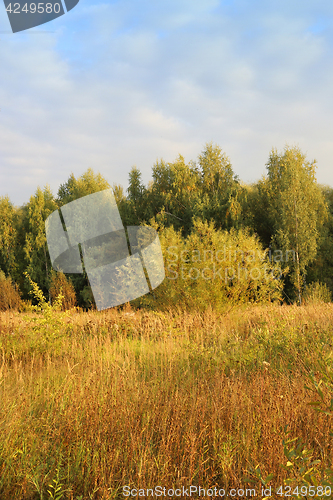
(106, 399)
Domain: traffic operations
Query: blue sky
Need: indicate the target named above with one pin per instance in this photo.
(114, 84)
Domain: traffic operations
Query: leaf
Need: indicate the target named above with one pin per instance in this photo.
(268, 478)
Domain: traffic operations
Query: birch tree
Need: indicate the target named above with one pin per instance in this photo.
(220, 188)
(297, 210)
(86, 184)
(8, 236)
(36, 257)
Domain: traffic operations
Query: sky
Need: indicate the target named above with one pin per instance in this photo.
(114, 84)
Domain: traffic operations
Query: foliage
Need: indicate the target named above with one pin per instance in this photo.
(42, 304)
(8, 236)
(322, 267)
(87, 183)
(302, 467)
(87, 299)
(317, 292)
(227, 268)
(256, 209)
(182, 191)
(285, 211)
(220, 188)
(216, 170)
(49, 322)
(175, 191)
(10, 297)
(61, 285)
(136, 197)
(141, 396)
(36, 260)
(297, 210)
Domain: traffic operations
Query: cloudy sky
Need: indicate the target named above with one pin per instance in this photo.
(120, 83)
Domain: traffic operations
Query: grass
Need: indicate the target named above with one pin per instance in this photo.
(91, 402)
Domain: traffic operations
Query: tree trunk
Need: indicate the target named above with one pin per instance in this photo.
(297, 258)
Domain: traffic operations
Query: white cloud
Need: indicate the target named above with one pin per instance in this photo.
(125, 83)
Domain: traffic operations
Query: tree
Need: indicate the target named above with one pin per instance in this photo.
(297, 210)
(61, 285)
(35, 255)
(220, 188)
(8, 236)
(216, 171)
(212, 267)
(10, 297)
(161, 190)
(255, 209)
(321, 270)
(88, 183)
(136, 189)
(75, 188)
(122, 204)
(183, 202)
(137, 199)
(175, 192)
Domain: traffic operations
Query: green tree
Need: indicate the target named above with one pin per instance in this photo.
(10, 297)
(122, 204)
(255, 209)
(180, 192)
(161, 190)
(216, 170)
(296, 209)
(88, 183)
(186, 193)
(59, 284)
(321, 270)
(175, 192)
(36, 259)
(220, 188)
(137, 201)
(136, 189)
(213, 267)
(8, 236)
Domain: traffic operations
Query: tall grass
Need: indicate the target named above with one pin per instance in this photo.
(95, 401)
(10, 298)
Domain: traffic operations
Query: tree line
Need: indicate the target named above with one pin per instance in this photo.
(286, 210)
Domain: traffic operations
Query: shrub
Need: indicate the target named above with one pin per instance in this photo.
(214, 268)
(87, 298)
(61, 285)
(10, 297)
(317, 292)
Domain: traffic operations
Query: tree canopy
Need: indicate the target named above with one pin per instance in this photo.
(286, 212)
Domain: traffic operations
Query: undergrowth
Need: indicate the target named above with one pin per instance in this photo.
(91, 402)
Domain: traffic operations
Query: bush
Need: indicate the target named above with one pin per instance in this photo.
(61, 285)
(10, 297)
(87, 298)
(317, 293)
(26, 306)
(214, 268)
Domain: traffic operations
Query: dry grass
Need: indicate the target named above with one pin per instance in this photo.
(106, 399)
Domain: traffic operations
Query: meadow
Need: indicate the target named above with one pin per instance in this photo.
(91, 402)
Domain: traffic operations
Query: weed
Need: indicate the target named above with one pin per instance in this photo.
(90, 402)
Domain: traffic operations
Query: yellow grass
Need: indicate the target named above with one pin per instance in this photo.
(139, 398)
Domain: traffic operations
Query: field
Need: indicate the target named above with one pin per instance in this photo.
(92, 402)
